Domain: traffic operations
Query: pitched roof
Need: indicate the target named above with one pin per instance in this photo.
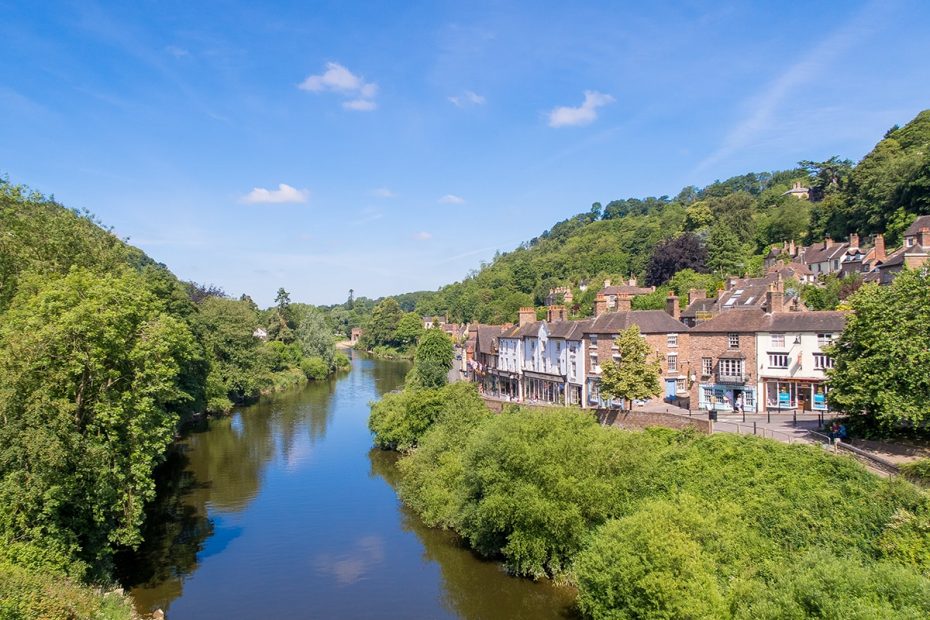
(756, 320)
(569, 330)
(699, 305)
(487, 338)
(819, 254)
(649, 322)
(914, 228)
(897, 257)
(621, 289)
(814, 321)
(742, 320)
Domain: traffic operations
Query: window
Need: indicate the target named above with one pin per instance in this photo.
(592, 339)
(671, 340)
(672, 359)
(733, 341)
(707, 366)
(824, 339)
(680, 386)
(778, 360)
(910, 242)
(822, 361)
(778, 340)
(731, 368)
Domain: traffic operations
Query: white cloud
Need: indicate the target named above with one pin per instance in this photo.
(451, 199)
(423, 236)
(585, 114)
(285, 194)
(340, 80)
(361, 105)
(383, 192)
(468, 98)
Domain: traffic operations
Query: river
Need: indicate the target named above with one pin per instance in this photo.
(283, 510)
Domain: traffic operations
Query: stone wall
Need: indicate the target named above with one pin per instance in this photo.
(644, 419)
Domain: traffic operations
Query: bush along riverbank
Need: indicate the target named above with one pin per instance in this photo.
(660, 523)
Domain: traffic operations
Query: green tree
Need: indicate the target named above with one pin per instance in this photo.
(724, 252)
(382, 325)
(315, 338)
(636, 376)
(432, 361)
(888, 323)
(91, 369)
(409, 329)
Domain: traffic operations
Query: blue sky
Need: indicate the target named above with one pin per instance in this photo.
(393, 146)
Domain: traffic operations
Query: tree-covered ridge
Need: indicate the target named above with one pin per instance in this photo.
(735, 222)
(103, 354)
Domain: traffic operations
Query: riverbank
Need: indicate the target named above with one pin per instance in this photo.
(282, 510)
(659, 521)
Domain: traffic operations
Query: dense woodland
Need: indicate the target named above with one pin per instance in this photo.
(103, 355)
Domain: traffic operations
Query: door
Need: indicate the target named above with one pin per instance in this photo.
(669, 389)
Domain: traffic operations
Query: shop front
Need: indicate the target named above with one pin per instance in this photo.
(796, 394)
(726, 397)
(541, 388)
(503, 385)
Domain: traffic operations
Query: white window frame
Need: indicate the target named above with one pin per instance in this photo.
(779, 360)
(672, 361)
(671, 340)
(778, 341)
(824, 339)
(822, 361)
(707, 366)
(733, 340)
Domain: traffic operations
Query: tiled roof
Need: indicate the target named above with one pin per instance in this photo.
(569, 330)
(745, 320)
(621, 289)
(819, 254)
(699, 305)
(487, 338)
(920, 222)
(649, 322)
(755, 320)
(821, 320)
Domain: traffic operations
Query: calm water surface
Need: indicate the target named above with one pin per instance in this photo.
(283, 510)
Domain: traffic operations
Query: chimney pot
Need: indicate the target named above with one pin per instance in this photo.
(600, 304)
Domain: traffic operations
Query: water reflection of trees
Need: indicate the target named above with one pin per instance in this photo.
(475, 587)
(175, 529)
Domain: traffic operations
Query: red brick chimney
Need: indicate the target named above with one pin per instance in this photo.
(527, 315)
(624, 302)
(775, 297)
(827, 242)
(600, 304)
(696, 293)
(556, 313)
(792, 249)
(671, 306)
(880, 253)
(854, 240)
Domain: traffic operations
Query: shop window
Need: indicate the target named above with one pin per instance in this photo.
(781, 395)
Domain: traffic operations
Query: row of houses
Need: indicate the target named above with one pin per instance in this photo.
(874, 262)
(763, 352)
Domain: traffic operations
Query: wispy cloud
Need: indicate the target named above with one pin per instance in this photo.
(285, 194)
(383, 192)
(764, 105)
(423, 236)
(585, 114)
(338, 79)
(468, 98)
(451, 199)
(368, 214)
(177, 52)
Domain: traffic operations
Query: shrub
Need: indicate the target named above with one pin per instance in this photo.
(315, 368)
